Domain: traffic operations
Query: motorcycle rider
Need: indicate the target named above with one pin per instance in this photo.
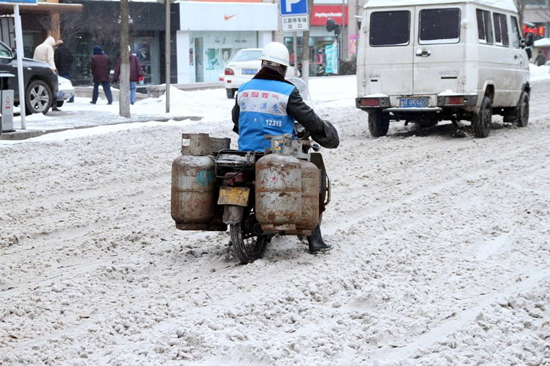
(268, 105)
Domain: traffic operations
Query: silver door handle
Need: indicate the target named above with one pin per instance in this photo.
(423, 53)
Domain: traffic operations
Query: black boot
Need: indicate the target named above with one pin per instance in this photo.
(316, 242)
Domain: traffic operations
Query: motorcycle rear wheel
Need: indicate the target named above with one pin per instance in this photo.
(247, 249)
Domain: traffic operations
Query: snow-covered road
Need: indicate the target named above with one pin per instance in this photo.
(442, 251)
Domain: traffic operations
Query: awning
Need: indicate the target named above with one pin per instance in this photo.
(544, 42)
(42, 8)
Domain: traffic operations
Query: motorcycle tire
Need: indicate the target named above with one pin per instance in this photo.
(250, 249)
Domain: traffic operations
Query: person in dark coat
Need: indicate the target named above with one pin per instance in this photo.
(540, 60)
(63, 58)
(101, 67)
(268, 105)
(136, 74)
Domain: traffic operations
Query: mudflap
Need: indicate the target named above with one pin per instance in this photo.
(317, 159)
(232, 214)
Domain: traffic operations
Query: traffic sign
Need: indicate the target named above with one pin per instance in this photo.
(23, 2)
(293, 7)
(295, 23)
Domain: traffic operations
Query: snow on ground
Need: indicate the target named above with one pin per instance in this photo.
(442, 250)
(539, 72)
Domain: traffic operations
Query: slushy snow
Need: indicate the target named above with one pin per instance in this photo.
(442, 249)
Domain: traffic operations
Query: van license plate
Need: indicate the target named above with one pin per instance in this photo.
(237, 196)
(413, 102)
(249, 71)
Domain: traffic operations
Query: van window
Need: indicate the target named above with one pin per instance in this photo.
(390, 28)
(484, 26)
(501, 30)
(439, 26)
(516, 35)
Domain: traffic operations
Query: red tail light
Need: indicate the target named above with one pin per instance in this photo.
(229, 71)
(370, 102)
(454, 100)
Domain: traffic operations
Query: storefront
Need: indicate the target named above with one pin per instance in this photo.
(325, 47)
(538, 30)
(99, 25)
(211, 35)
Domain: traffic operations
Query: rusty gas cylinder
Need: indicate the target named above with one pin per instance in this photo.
(278, 192)
(193, 192)
(311, 176)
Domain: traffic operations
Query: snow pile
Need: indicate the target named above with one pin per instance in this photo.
(539, 72)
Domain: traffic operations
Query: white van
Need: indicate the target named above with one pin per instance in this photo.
(424, 61)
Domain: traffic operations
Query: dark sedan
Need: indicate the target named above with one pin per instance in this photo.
(40, 81)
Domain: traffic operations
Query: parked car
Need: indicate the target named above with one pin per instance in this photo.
(242, 67)
(424, 61)
(65, 91)
(41, 83)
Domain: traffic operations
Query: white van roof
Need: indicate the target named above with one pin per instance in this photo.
(501, 4)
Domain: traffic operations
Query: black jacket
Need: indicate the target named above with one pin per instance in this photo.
(323, 132)
(63, 58)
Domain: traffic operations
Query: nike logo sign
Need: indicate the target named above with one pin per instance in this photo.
(227, 17)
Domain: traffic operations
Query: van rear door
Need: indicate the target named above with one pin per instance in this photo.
(389, 51)
(439, 50)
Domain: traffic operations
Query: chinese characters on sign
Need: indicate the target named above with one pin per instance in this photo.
(295, 23)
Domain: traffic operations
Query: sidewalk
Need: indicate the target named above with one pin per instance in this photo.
(82, 114)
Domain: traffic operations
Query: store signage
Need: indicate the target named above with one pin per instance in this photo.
(229, 1)
(203, 16)
(537, 31)
(321, 13)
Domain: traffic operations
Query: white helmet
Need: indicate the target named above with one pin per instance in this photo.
(276, 52)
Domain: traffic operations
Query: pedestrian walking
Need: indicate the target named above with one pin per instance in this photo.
(63, 58)
(136, 74)
(101, 67)
(44, 52)
(540, 60)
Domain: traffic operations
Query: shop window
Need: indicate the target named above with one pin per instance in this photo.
(82, 56)
(146, 49)
(439, 26)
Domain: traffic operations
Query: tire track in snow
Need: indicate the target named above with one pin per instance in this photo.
(450, 326)
(360, 214)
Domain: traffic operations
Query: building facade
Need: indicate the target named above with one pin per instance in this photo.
(211, 33)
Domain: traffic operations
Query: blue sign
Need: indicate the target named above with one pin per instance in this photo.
(17, 2)
(293, 7)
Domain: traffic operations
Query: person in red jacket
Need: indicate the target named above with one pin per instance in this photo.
(101, 67)
(136, 74)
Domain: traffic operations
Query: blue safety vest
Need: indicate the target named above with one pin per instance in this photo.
(263, 112)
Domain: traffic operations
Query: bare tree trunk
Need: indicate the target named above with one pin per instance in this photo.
(520, 4)
(124, 94)
(305, 46)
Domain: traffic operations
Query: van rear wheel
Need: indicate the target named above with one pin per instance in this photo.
(522, 110)
(481, 122)
(379, 123)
